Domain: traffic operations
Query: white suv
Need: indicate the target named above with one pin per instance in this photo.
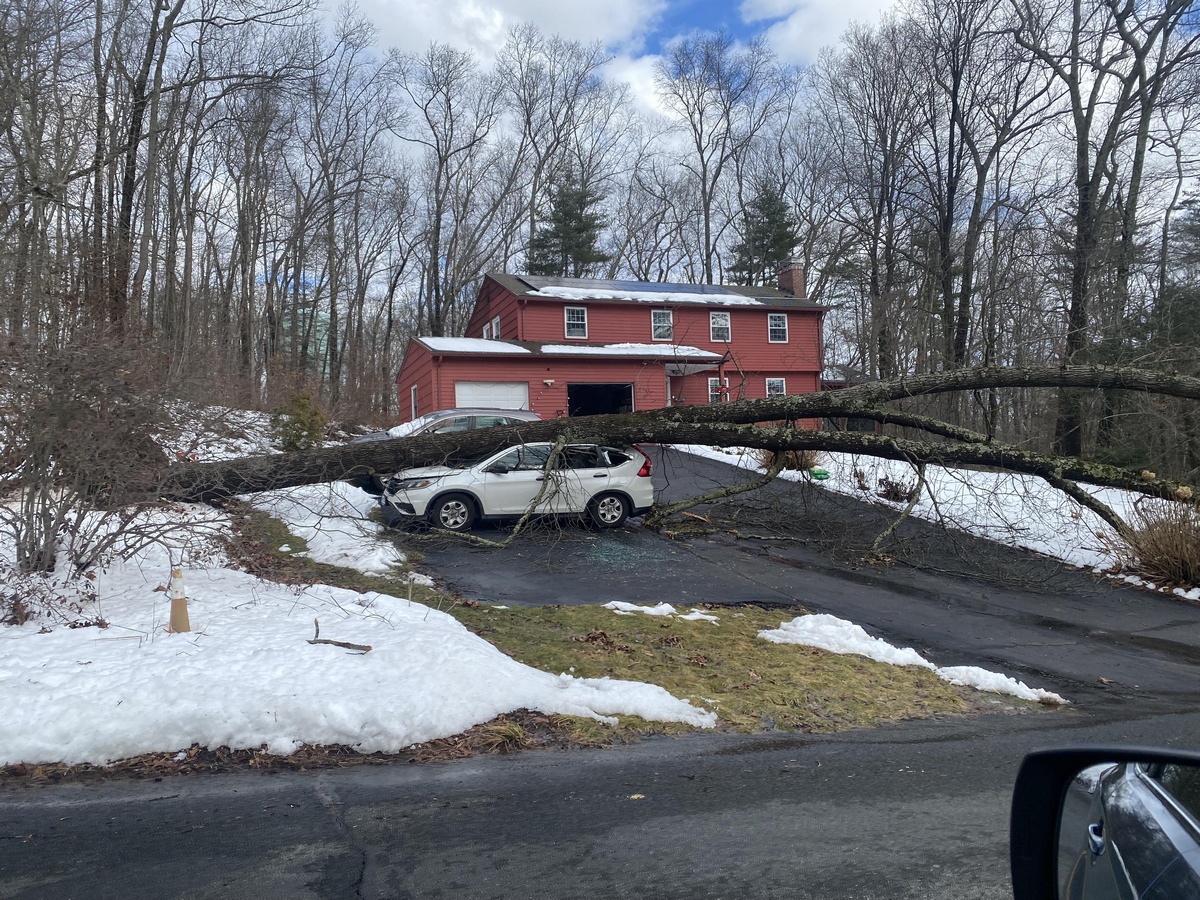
(604, 483)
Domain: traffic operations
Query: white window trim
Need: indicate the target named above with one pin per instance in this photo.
(782, 386)
(670, 324)
(712, 325)
(715, 383)
(487, 331)
(567, 323)
(496, 327)
(783, 316)
(412, 399)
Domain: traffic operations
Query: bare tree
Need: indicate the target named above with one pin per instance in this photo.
(1114, 60)
(469, 179)
(721, 96)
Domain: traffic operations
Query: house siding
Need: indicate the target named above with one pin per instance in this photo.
(751, 357)
(417, 369)
(618, 322)
(648, 379)
(496, 300)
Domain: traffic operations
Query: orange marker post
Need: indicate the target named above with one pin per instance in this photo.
(179, 611)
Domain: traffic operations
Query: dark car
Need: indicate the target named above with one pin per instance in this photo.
(440, 421)
(1115, 823)
(1130, 831)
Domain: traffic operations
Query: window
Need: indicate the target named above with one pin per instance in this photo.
(777, 328)
(661, 328)
(718, 326)
(493, 421)
(576, 321)
(412, 399)
(1183, 783)
(715, 392)
(496, 328)
(776, 387)
(525, 459)
(458, 423)
(487, 331)
(582, 457)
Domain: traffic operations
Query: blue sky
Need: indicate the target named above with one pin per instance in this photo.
(682, 16)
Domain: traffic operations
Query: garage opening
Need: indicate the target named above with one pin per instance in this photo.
(599, 399)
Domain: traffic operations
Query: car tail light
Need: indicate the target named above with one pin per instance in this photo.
(647, 466)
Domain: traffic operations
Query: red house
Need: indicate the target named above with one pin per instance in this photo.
(578, 346)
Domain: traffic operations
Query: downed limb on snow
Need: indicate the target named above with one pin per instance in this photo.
(317, 639)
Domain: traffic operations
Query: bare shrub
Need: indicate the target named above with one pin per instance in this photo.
(47, 597)
(76, 444)
(895, 490)
(1163, 543)
(797, 460)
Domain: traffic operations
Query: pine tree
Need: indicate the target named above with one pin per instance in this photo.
(566, 245)
(769, 234)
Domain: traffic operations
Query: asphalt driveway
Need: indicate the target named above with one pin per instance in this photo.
(957, 599)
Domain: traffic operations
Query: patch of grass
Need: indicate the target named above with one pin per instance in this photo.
(505, 736)
(752, 684)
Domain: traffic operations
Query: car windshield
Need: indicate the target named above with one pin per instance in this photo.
(406, 428)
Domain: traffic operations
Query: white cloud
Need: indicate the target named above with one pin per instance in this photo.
(480, 25)
(806, 26)
(638, 73)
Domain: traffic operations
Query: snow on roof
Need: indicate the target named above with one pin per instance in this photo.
(470, 345)
(666, 350)
(664, 298)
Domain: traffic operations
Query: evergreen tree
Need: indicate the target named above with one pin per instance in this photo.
(769, 234)
(566, 245)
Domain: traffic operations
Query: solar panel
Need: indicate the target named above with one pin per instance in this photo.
(537, 282)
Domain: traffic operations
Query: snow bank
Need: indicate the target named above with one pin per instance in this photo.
(839, 636)
(246, 676)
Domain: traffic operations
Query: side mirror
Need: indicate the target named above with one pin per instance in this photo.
(1106, 822)
(497, 469)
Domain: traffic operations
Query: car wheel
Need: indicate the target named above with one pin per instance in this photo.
(608, 510)
(454, 512)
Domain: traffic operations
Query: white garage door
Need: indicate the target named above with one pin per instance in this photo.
(492, 394)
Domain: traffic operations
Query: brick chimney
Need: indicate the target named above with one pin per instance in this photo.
(791, 277)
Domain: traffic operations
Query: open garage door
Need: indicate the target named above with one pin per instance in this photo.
(599, 399)
(492, 394)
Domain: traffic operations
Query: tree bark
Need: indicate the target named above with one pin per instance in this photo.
(728, 425)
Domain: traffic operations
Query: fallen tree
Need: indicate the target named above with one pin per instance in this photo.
(736, 425)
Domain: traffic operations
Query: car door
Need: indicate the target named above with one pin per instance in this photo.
(584, 473)
(513, 480)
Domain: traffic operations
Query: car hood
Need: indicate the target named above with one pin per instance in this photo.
(425, 472)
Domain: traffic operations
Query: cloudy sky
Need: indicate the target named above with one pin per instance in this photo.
(633, 31)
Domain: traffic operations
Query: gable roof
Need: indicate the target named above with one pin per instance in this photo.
(547, 287)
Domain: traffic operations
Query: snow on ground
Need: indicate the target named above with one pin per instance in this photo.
(621, 608)
(839, 636)
(332, 520)
(245, 675)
